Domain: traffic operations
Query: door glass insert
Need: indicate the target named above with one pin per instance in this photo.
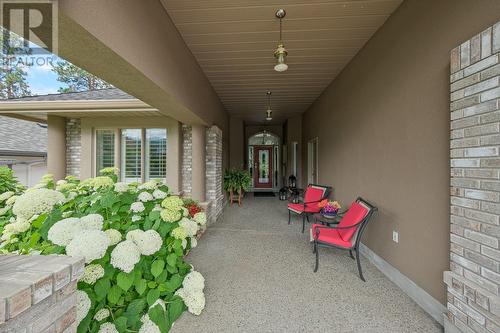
(264, 166)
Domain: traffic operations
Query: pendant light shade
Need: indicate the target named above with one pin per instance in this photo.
(269, 111)
(280, 53)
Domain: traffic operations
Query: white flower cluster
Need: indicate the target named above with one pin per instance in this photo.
(82, 305)
(90, 244)
(148, 326)
(170, 216)
(107, 328)
(148, 242)
(137, 207)
(179, 233)
(136, 218)
(13, 228)
(192, 292)
(92, 273)
(97, 182)
(159, 194)
(145, 196)
(101, 314)
(149, 185)
(125, 255)
(6, 195)
(190, 226)
(63, 232)
(121, 187)
(114, 236)
(173, 203)
(37, 201)
(200, 218)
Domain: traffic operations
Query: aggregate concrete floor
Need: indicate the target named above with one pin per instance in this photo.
(259, 278)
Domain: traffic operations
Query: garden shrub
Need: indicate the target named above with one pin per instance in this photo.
(133, 237)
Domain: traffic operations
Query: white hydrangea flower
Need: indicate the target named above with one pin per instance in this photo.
(121, 187)
(194, 300)
(136, 218)
(194, 281)
(114, 236)
(92, 221)
(190, 226)
(92, 273)
(6, 195)
(159, 194)
(184, 243)
(148, 326)
(145, 196)
(173, 203)
(107, 328)
(17, 227)
(137, 207)
(101, 314)
(61, 182)
(185, 212)
(11, 201)
(150, 185)
(170, 216)
(4, 210)
(90, 244)
(125, 255)
(148, 242)
(194, 242)
(63, 231)
(37, 201)
(179, 233)
(82, 305)
(200, 218)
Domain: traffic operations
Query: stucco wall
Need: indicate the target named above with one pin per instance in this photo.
(383, 128)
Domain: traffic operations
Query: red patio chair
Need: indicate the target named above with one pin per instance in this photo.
(347, 234)
(313, 195)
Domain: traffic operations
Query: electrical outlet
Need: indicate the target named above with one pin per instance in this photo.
(395, 236)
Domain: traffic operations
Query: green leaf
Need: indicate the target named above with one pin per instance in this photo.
(114, 294)
(101, 288)
(152, 284)
(157, 267)
(54, 217)
(125, 280)
(141, 286)
(37, 223)
(136, 306)
(174, 283)
(171, 259)
(109, 199)
(121, 323)
(175, 309)
(152, 296)
(159, 317)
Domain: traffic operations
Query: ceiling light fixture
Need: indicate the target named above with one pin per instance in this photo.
(269, 111)
(280, 53)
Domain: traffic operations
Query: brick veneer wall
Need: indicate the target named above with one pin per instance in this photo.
(213, 188)
(37, 293)
(187, 160)
(73, 146)
(473, 282)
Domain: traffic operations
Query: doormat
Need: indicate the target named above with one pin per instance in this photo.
(263, 194)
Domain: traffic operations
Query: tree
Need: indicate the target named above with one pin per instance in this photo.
(76, 78)
(13, 83)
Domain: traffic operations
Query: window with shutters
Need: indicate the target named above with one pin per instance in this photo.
(156, 153)
(131, 155)
(105, 148)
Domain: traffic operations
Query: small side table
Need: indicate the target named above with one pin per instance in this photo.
(320, 219)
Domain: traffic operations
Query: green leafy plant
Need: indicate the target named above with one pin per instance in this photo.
(8, 182)
(133, 238)
(237, 181)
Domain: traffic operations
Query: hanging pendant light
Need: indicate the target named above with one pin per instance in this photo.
(280, 53)
(269, 111)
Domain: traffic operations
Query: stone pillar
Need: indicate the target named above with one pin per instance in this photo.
(37, 293)
(198, 134)
(187, 160)
(73, 146)
(473, 282)
(56, 146)
(214, 172)
(174, 157)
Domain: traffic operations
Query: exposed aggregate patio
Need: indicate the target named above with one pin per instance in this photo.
(259, 278)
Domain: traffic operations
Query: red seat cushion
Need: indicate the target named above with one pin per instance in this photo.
(314, 193)
(299, 208)
(354, 215)
(330, 236)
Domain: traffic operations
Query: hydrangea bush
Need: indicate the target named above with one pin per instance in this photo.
(133, 237)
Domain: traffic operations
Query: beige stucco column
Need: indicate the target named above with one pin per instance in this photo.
(198, 166)
(174, 156)
(56, 146)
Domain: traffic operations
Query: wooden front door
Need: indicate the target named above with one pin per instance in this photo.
(263, 166)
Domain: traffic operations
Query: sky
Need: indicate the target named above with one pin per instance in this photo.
(42, 80)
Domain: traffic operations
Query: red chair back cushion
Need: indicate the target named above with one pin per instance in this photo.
(354, 215)
(314, 193)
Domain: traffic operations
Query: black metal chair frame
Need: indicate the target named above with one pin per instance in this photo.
(328, 190)
(360, 226)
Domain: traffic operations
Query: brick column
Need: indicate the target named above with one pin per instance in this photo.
(214, 172)
(73, 146)
(187, 160)
(56, 146)
(473, 282)
(37, 293)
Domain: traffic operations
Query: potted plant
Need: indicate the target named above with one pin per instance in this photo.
(236, 182)
(329, 208)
